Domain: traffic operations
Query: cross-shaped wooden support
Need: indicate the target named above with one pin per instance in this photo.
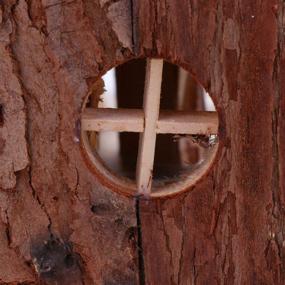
(149, 122)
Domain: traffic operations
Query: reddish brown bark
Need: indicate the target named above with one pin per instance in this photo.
(229, 229)
(58, 223)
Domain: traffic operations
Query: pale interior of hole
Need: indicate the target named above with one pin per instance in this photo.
(109, 142)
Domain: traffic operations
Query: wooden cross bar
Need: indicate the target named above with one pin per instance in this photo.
(148, 137)
(149, 122)
(132, 120)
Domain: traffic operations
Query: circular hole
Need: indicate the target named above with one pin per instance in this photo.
(179, 159)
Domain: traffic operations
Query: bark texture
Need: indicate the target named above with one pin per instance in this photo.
(230, 228)
(60, 224)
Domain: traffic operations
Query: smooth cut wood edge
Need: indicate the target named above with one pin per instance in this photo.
(148, 137)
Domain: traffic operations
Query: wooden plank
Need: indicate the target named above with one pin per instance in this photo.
(131, 120)
(108, 119)
(181, 122)
(148, 137)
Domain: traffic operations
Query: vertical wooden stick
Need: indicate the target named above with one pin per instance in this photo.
(148, 137)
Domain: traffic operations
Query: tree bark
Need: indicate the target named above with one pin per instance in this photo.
(230, 228)
(60, 224)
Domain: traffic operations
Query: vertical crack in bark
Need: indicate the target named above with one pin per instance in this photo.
(1, 116)
(275, 123)
(217, 82)
(41, 204)
(134, 27)
(183, 241)
(77, 184)
(168, 247)
(194, 271)
(140, 245)
(155, 35)
(277, 210)
(8, 232)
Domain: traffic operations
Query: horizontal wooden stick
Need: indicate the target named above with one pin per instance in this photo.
(117, 120)
(132, 120)
(181, 122)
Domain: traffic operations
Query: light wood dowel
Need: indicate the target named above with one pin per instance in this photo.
(180, 122)
(148, 137)
(131, 120)
(117, 120)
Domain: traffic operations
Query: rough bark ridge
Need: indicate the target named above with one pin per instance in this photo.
(60, 224)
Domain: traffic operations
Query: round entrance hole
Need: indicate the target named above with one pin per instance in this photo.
(149, 128)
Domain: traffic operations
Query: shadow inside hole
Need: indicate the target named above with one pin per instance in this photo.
(175, 155)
